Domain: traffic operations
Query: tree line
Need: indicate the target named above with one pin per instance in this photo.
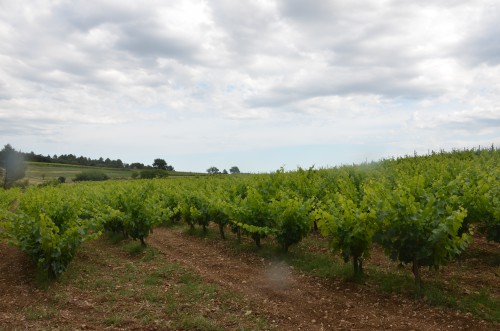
(12, 166)
(73, 159)
(86, 161)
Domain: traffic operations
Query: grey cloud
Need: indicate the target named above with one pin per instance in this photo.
(482, 44)
(365, 45)
(5, 93)
(319, 11)
(310, 11)
(57, 41)
(471, 120)
(148, 40)
(248, 30)
(12, 126)
(472, 123)
(82, 63)
(84, 15)
(386, 82)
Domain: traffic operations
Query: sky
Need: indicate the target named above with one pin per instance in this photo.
(258, 84)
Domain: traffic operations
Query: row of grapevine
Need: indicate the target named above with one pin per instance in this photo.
(416, 209)
(421, 210)
(49, 224)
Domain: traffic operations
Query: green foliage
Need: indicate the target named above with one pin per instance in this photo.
(479, 193)
(234, 170)
(9, 200)
(213, 170)
(219, 212)
(113, 221)
(160, 164)
(194, 209)
(49, 225)
(135, 212)
(252, 215)
(422, 220)
(153, 173)
(292, 220)
(93, 175)
(52, 182)
(350, 225)
(418, 227)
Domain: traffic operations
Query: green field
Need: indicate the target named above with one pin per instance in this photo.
(39, 172)
(397, 222)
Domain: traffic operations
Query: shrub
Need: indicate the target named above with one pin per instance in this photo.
(153, 173)
(91, 176)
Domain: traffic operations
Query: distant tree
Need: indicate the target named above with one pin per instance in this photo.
(137, 165)
(71, 159)
(225, 172)
(234, 170)
(13, 164)
(153, 173)
(213, 170)
(93, 175)
(160, 164)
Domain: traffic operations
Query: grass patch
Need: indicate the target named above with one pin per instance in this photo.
(42, 280)
(393, 281)
(153, 280)
(121, 286)
(321, 265)
(170, 304)
(39, 313)
(168, 271)
(435, 292)
(41, 172)
(114, 320)
(115, 238)
(195, 322)
(480, 304)
(150, 254)
(153, 296)
(134, 248)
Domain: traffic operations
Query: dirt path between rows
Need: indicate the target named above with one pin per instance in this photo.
(294, 301)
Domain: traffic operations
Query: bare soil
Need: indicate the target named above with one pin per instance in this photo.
(295, 301)
(287, 298)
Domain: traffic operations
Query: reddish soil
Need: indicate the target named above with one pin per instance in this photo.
(17, 290)
(294, 301)
(289, 299)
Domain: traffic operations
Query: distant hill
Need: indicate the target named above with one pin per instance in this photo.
(40, 172)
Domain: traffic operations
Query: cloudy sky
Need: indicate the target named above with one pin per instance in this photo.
(257, 84)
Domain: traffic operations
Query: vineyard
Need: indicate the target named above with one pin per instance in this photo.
(420, 210)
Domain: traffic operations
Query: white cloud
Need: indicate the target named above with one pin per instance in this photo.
(226, 77)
